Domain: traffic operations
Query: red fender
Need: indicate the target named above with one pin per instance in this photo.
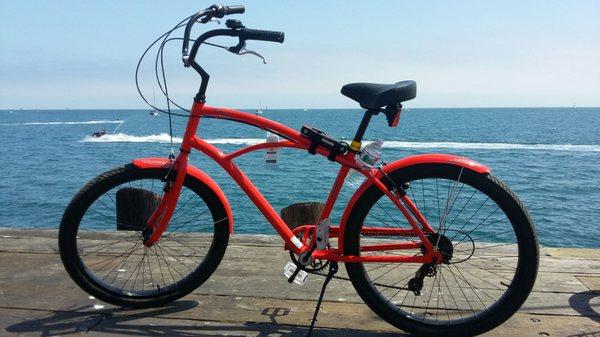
(409, 161)
(195, 172)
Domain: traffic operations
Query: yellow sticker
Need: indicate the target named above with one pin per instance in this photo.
(355, 146)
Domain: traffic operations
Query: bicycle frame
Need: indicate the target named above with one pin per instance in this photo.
(158, 222)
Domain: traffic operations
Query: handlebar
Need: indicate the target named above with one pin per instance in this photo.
(219, 11)
(214, 11)
(261, 35)
(235, 29)
(239, 9)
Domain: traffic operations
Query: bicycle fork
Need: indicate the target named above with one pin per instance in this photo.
(161, 217)
(159, 220)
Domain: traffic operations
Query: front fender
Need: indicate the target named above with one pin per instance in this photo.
(145, 163)
(410, 161)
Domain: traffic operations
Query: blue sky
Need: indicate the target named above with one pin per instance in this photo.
(82, 54)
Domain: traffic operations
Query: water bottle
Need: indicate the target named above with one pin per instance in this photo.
(272, 154)
(369, 156)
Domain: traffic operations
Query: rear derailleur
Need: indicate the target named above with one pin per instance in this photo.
(444, 246)
(416, 283)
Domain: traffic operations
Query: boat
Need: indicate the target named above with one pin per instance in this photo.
(99, 134)
(259, 111)
(153, 112)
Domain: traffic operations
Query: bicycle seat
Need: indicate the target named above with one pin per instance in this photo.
(376, 96)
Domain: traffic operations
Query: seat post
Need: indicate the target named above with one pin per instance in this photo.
(356, 142)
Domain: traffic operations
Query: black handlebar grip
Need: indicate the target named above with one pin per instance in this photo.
(261, 35)
(239, 9)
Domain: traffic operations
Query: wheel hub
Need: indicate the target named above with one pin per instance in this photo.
(443, 245)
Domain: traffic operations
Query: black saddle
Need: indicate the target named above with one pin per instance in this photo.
(376, 96)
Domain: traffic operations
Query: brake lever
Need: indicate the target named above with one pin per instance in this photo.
(210, 20)
(245, 51)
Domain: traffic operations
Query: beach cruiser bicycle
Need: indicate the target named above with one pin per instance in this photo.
(433, 243)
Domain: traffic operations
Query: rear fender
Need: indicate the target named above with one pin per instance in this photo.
(147, 163)
(405, 162)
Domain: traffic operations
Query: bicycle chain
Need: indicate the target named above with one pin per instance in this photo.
(347, 279)
(324, 265)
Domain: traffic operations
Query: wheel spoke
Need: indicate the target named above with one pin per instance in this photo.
(475, 231)
(117, 259)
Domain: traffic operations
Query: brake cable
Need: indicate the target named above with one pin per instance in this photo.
(161, 77)
(137, 69)
(162, 88)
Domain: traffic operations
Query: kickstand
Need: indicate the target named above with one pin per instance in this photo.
(333, 268)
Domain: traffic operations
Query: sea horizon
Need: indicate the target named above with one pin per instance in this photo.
(302, 108)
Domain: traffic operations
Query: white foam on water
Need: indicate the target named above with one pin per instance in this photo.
(236, 141)
(164, 138)
(491, 146)
(66, 123)
(125, 138)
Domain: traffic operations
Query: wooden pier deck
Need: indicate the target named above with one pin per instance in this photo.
(248, 296)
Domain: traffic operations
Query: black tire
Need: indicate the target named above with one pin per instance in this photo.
(79, 225)
(411, 317)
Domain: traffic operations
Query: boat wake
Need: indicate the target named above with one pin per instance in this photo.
(125, 138)
(492, 146)
(164, 138)
(66, 123)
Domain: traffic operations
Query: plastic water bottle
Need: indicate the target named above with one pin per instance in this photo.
(368, 157)
(272, 154)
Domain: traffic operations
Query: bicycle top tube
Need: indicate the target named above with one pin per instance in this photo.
(293, 138)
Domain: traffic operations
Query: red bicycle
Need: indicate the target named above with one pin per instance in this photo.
(433, 243)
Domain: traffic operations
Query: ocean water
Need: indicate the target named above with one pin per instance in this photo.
(549, 156)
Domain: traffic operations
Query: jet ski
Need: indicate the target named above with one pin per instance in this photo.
(99, 134)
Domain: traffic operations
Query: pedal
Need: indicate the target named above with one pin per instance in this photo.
(295, 274)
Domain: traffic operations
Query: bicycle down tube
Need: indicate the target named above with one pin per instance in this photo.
(160, 219)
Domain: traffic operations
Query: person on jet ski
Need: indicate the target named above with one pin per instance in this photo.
(99, 133)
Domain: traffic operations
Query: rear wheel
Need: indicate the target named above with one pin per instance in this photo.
(486, 238)
(106, 256)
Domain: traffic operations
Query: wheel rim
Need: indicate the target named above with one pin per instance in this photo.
(119, 262)
(485, 252)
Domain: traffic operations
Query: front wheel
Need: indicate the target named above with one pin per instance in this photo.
(485, 236)
(101, 242)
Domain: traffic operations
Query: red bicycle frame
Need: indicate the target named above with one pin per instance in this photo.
(159, 221)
